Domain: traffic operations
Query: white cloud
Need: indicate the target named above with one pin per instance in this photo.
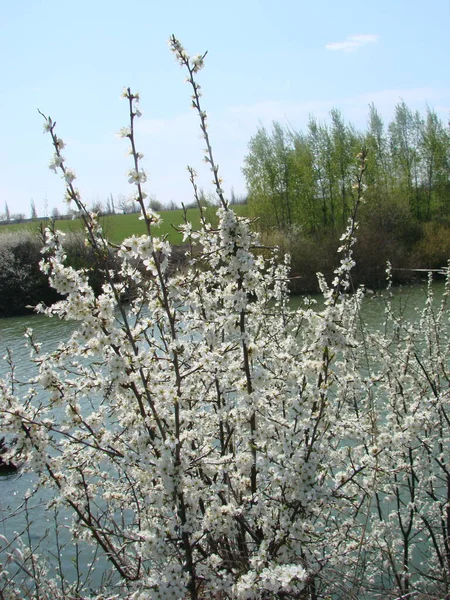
(353, 42)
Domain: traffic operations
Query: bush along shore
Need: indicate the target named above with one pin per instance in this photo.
(22, 283)
(411, 252)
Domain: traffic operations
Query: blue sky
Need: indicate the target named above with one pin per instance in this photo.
(266, 61)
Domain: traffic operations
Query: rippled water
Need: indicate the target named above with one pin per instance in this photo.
(15, 512)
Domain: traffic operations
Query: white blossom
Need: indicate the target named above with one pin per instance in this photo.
(136, 177)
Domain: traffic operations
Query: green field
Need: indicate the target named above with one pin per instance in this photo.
(118, 227)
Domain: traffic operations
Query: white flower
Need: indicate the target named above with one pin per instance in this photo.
(186, 228)
(69, 176)
(124, 132)
(56, 162)
(136, 177)
(48, 124)
(197, 62)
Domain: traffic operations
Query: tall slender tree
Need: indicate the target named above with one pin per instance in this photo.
(344, 141)
(405, 136)
(435, 163)
(33, 212)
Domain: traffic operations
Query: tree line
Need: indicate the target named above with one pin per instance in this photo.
(305, 177)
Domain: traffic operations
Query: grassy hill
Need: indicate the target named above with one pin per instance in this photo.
(118, 227)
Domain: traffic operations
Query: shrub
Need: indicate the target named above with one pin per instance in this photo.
(309, 254)
(21, 282)
(220, 445)
(433, 249)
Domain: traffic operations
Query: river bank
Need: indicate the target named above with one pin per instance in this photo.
(23, 286)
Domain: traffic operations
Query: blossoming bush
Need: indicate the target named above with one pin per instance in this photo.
(212, 443)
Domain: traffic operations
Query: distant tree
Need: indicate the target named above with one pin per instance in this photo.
(237, 199)
(435, 165)
(308, 211)
(405, 135)
(56, 214)
(110, 209)
(97, 207)
(72, 213)
(205, 200)
(156, 205)
(33, 212)
(346, 144)
(322, 146)
(378, 167)
(260, 171)
(315, 144)
(133, 206)
(172, 206)
(17, 217)
(7, 213)
(284, 175)
(128, 205)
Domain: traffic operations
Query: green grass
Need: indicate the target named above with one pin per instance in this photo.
(119, 227)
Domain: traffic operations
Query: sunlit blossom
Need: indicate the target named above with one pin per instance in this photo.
(136, 177)
(69, 176)
(124, 132)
